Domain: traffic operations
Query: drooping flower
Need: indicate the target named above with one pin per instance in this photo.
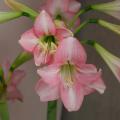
(42, 40)
(69, 77)
(111, 8)
(112, 61)
(113, 27)
(62, 9)
(12, 91)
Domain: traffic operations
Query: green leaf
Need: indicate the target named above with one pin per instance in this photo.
(4, 113)
(7, 16)
(21, 58)
(17, 6)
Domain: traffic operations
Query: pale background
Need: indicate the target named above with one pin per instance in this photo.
(95, 106)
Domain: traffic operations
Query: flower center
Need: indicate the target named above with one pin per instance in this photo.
(67, 74)
(58, 17)
(48, 44)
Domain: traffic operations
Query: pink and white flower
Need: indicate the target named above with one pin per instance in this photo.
(111, 60)
(69, 77)
(43, 39)
(13, 92)
(62, 9)
(111, 8)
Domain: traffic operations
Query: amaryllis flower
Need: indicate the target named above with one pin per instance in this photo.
(111, 8)
(12, 91)
(113, 27)
(111, 60)
(69, 77)
(42, 40)
(62, 9)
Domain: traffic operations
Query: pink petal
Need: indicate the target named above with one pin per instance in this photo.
(6, 66)
(17, 76)
(87, 90)
(63, 33)
(87, 68)
(87, 74)
(55, 5)
(44, 24)
(72, 97)
(74, 6)
(71, 50)
(41, 57)
(89, 77)
(49, 74)
(14, 94)
(98, 85)
(46, 92)
(69, 16)
(28, 40)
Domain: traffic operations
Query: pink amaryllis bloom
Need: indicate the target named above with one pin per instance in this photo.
(62, 9)
(42, 40)
(12, 91)
(69, 77)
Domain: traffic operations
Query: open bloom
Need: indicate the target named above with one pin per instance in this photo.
(12, 91)
(112, 61)
(42, 40)
(110, 8)
(62, 9)
(69, 77)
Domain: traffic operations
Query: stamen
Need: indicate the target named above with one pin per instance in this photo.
(48, 44)
(67, 74)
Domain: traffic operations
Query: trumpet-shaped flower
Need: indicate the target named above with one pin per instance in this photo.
(113, 27)
(110, 8)
(12, 91)
(42, 40)
(69, 77)
(112, 61)
(62, 9)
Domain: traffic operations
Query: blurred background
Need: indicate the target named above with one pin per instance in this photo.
(95, 106)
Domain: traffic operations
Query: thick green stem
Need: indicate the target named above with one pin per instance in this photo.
(52, 110)
(72, 22)
(4, 113)
(21, 59)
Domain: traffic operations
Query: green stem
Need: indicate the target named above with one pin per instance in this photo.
(88, 8)
(4, 113)
(52, 110)
(84, 24)
(7, 16)
(20, 60)
(89, 42)
(113, 27)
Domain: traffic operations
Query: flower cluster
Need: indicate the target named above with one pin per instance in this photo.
(60, 57)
